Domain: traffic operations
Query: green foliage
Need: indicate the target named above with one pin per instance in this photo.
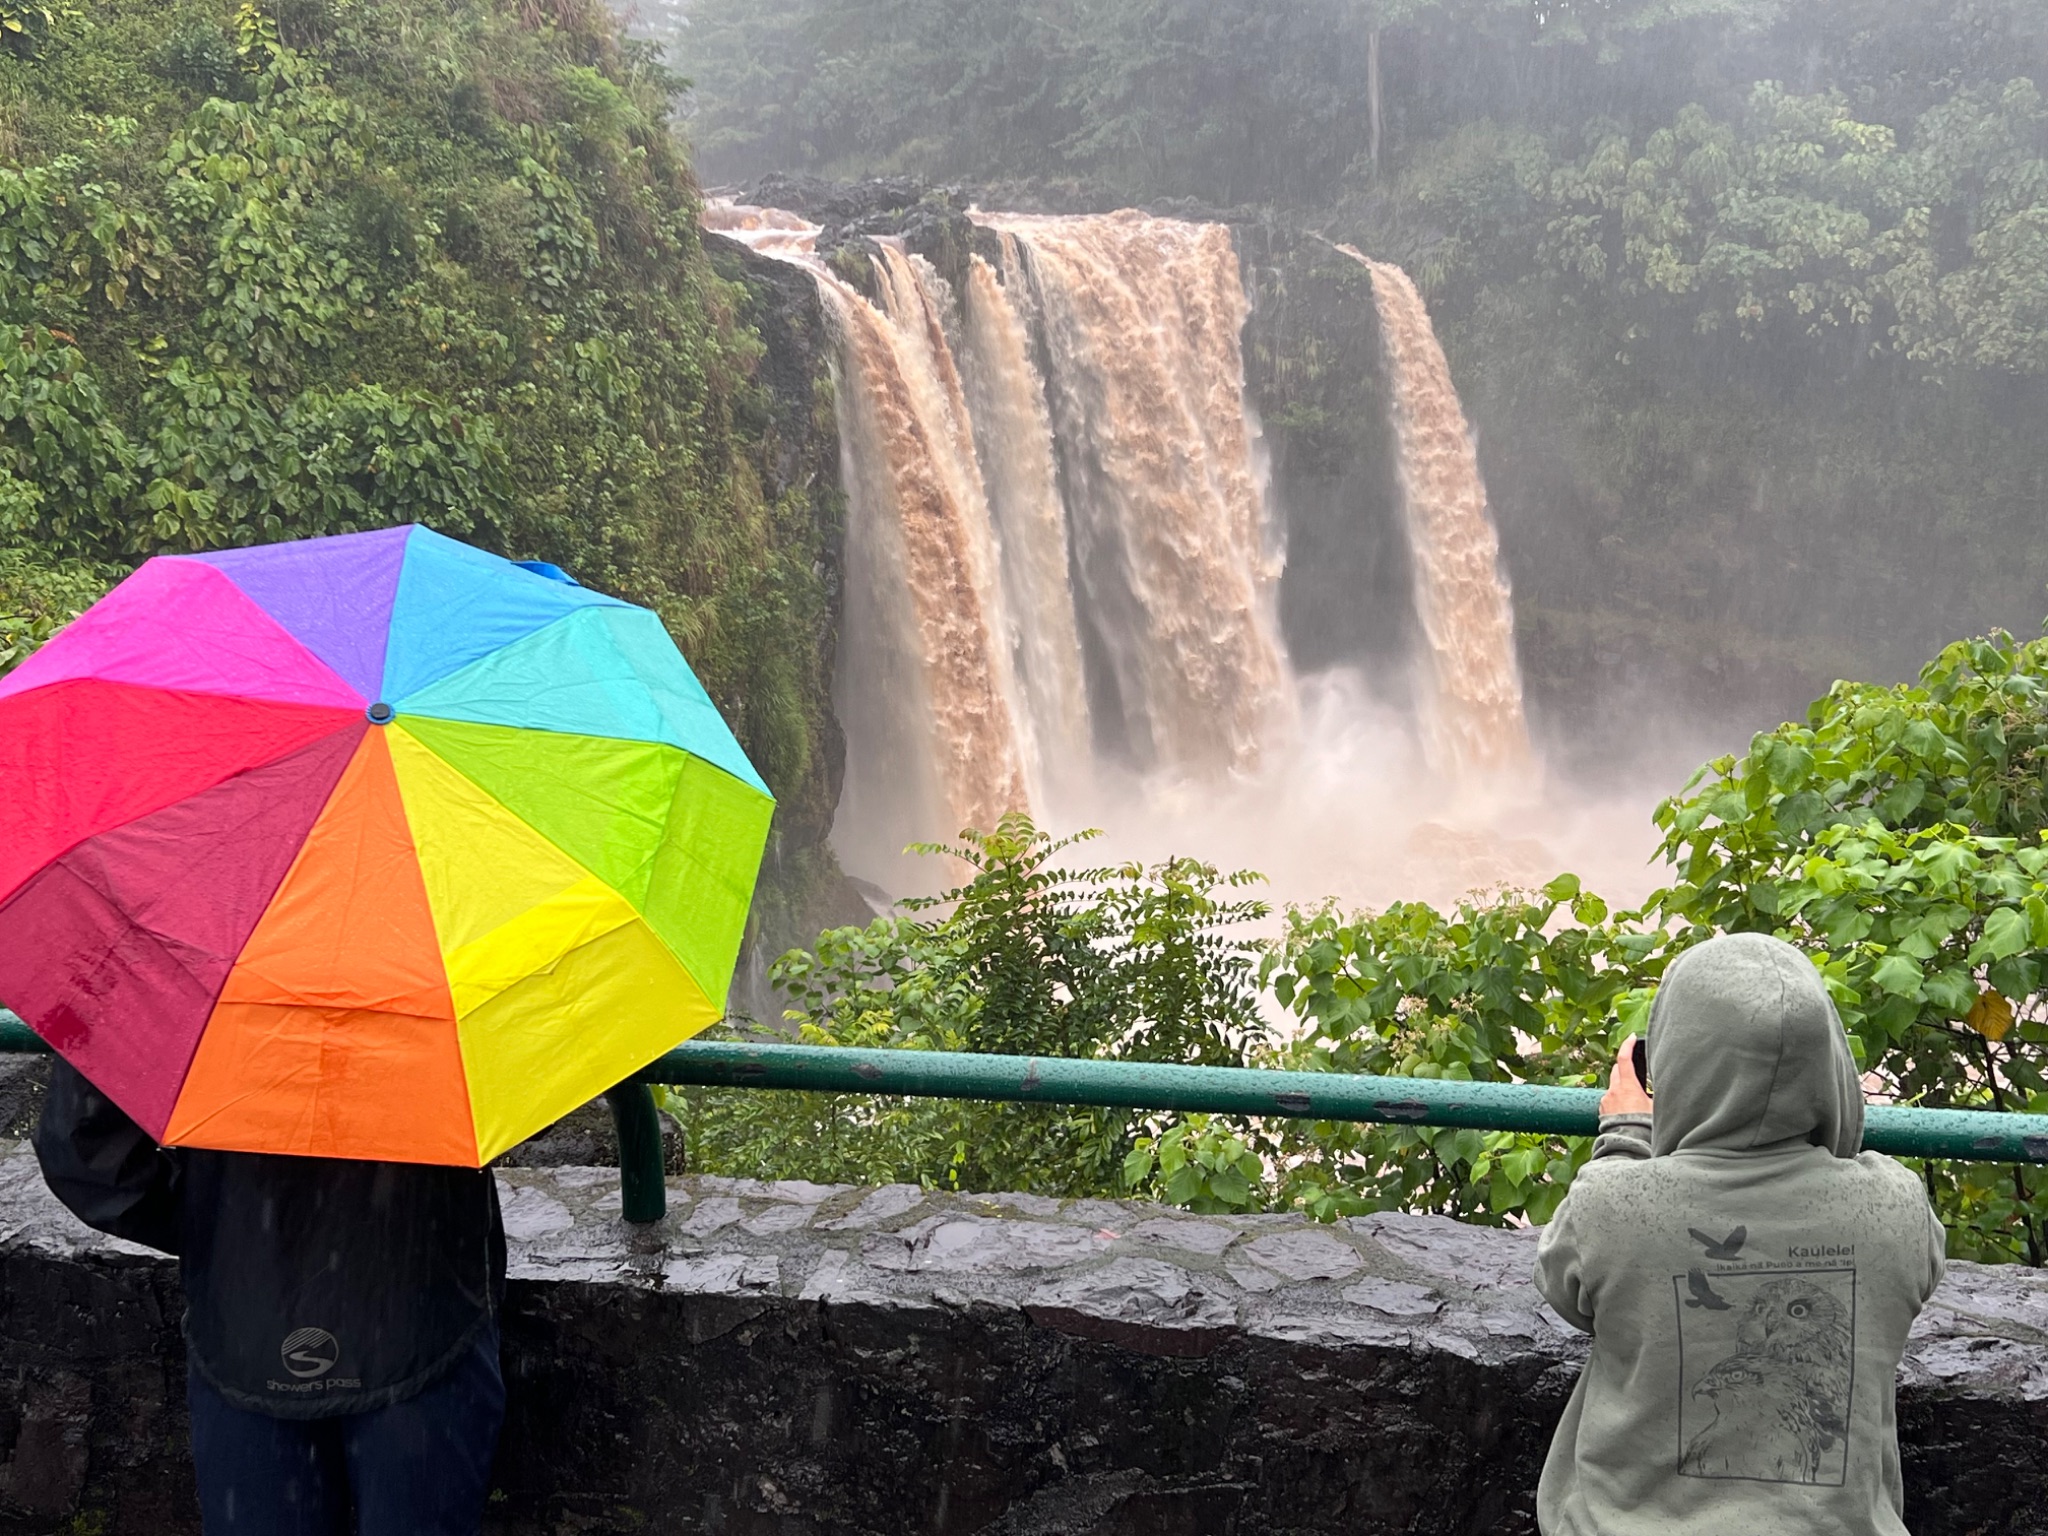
(1199, 1163)
(1536, 988)
(26, 24)
(273, 271)
(1232, 101)
(1899, 837)
(37, 598)
(1026, 957)
(1800, 214)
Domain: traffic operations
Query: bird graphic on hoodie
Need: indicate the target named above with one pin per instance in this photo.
(1778, 1404)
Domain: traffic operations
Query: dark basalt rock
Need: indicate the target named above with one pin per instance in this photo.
(795, 1358)
(832, 202)
(22, 1082)
(930, 221)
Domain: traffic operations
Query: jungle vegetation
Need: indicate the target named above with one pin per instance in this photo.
(312, 266)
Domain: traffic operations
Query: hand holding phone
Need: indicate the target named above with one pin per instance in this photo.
(1627, 1085)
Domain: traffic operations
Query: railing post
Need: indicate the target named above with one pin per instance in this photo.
(643, 1185)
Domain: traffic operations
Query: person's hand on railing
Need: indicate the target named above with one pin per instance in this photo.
(1626, 1094)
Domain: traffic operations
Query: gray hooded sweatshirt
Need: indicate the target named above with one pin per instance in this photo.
(1747, 1274)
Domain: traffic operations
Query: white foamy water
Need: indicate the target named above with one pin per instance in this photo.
(1354, 810)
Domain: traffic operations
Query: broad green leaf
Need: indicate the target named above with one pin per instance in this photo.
(1897, 974)
(2006, 933)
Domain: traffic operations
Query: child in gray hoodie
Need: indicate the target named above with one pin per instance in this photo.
(1748, 1275)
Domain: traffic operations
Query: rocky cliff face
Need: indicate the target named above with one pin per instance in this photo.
(1316, 378)
(801, 890)
(795, 1358)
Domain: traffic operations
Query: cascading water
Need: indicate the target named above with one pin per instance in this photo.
(923, 688)
(1061, 576)
(1013, 434)
(1475, 724)
(950, 568)
(1175, 567)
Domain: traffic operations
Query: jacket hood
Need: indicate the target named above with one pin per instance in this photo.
(1747, 1053)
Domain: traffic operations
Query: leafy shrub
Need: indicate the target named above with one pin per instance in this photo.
(1026, 957)
(1524, 988)
(1898, 837)
(26, 24)
(200, 56)
(37, 598)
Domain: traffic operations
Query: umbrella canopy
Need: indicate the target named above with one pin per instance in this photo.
(374, 846)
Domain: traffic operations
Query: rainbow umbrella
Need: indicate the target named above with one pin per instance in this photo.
(374, 846)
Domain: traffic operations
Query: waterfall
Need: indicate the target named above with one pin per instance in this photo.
(1175, 567)
(1474, 720)
(924, 688)
(1013, 435)
(1061, 572)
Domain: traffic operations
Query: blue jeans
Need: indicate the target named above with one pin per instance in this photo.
(417, 1468)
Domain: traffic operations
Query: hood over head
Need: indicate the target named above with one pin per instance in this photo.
(1746, 1053)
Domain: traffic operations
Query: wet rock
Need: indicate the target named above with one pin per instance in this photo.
(833, 202)
(22, 1083)
(1396, 1298)
(841, 1362)
(587, 1138)
(930, 221)
(1140, 1304)
(1307, 1254)
(877, 1208)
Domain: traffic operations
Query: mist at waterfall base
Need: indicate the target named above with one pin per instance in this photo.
(1062, 573)
(1354, 811)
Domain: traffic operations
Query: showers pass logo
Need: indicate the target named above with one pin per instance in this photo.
(309, 1352)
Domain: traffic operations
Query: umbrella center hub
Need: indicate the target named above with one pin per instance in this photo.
(380, 713)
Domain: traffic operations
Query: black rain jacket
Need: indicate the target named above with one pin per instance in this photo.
(314, 1287)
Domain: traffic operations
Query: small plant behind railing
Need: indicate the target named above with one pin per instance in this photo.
(1525, 987)
(1027, 957)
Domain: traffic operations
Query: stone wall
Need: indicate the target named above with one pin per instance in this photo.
(797, 1360)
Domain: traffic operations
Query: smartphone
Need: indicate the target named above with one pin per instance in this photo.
(1639, 1058)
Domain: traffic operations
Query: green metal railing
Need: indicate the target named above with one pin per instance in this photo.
(1960, 1134)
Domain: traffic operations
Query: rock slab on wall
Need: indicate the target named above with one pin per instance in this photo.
(802, 1360)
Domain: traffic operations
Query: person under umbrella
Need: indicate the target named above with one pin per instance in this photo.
(337, 869)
